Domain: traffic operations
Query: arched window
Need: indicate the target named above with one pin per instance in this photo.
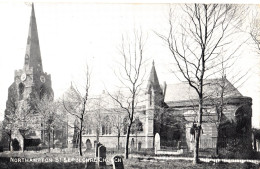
(88, 130)
(21, 90)
(103, 129)
(137, 126)
(125, 124)
(107, 127)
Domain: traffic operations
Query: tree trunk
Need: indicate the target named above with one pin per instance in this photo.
(43, 133)
(254, 142)
(196, 149)
(49, 140)
(97, 137)
(197, 132)
(53, 139)
(10, 140)
(118, 138)
(217, 140)
(127, 141)
(80, 138)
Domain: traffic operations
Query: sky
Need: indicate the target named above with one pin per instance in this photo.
(73, 34)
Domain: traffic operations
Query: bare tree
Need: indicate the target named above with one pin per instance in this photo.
(96, 114)
(255, 33)
(131, 77)
(204, 32)
(76, 105)
(48, 111)
(117, 125)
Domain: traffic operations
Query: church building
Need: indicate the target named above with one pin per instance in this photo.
(169, 111)
(30, 84)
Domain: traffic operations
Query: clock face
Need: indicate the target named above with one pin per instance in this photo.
(23, 77)
(42, 78)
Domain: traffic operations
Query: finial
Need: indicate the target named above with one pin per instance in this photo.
(153, 62)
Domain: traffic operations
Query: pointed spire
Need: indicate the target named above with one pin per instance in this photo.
(153, 79)
(33, 53)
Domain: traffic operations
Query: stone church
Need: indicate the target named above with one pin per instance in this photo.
(168, 111)
(30, 84)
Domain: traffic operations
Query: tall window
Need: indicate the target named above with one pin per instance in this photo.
(89, 130)
(107, 127)
(103, 129)
(125, 124)
(137, 126)
(21, 90)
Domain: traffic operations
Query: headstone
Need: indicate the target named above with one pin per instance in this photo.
(101, 156)
(139, 146)
(157, 142)
(96, 148)
(88, 144)
(117, 162)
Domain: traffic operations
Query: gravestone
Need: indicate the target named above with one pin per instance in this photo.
(101, 156)
(157, 142)
(117, 162)
(96, 148)
(88, 144)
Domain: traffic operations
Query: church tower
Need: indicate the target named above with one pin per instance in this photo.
(31, 80)
(30, 84)
(154, 95)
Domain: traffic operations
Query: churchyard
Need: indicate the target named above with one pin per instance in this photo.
(112, 158)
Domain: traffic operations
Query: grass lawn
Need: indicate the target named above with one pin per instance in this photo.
(5, 163)
(180, 164)
(129, 164)
(134, 163)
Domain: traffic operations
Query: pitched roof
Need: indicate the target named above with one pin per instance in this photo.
(153, 80)
(183, 92)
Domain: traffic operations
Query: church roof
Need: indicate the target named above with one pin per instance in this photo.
(33, 54)
(183, 92)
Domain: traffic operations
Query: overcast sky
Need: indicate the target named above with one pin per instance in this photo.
(72, 34)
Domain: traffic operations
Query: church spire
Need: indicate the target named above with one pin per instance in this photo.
(33, 53)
